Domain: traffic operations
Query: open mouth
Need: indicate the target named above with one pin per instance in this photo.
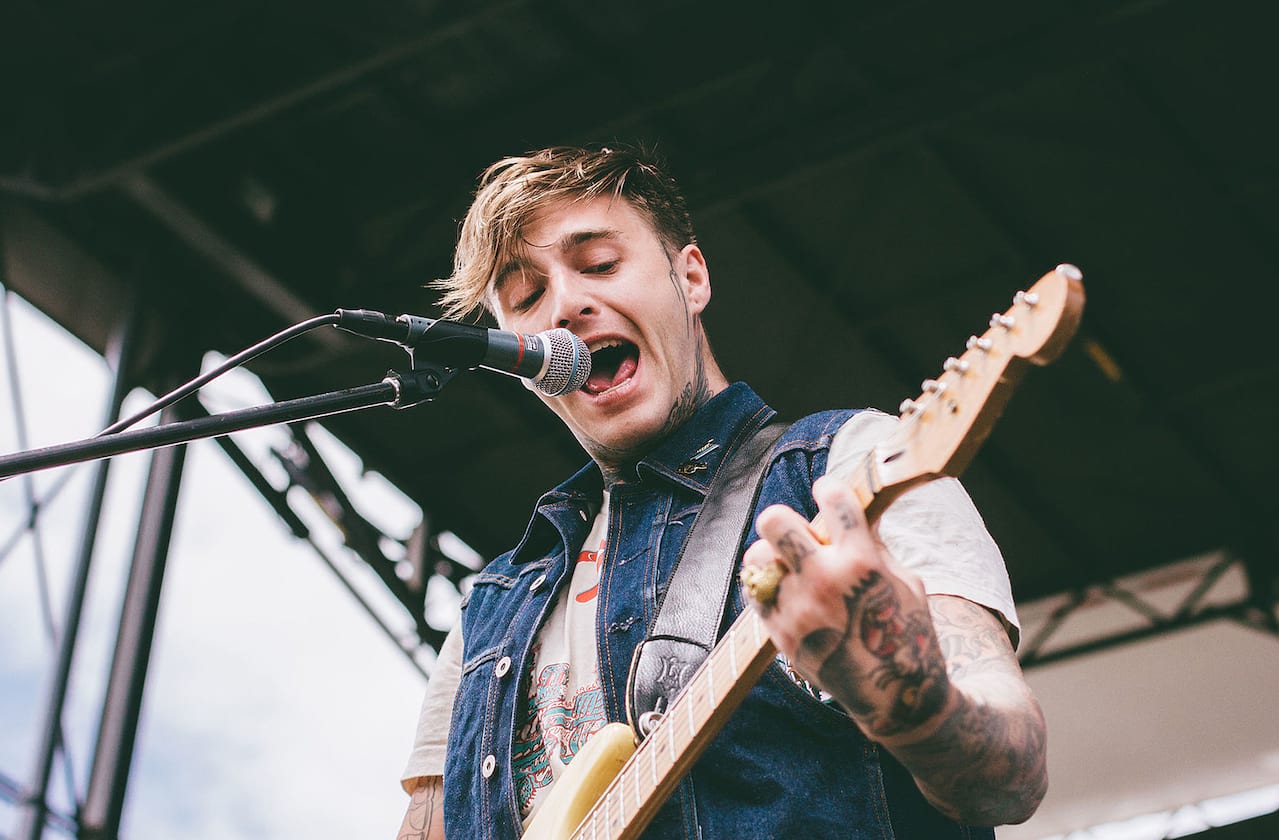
(613, 361)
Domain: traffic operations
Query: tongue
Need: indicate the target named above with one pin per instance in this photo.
(625, 370)
(602, 380)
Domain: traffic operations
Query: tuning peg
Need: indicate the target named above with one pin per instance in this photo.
(908, 407)
(958, 365)
(982, 344)
(1029, 298)
(1005, 321)
(1070, 272)
(932, 386)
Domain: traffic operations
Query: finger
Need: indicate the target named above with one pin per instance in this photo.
(788, 533)
(759, 585)
(842, 514)
(760, 554)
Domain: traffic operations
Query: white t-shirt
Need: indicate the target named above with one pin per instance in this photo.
(933, 529)
(565, 704)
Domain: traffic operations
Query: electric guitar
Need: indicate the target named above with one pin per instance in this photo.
(613, 789)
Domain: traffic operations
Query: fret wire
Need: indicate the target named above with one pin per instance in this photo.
(670, 732)
(638, 800)
(732, 653)
(710, 680)
(652, 765)
(692, 727)
(608, 824)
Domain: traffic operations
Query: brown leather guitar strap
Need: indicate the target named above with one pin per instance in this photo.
(692, 610)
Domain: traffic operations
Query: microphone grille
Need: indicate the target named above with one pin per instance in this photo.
(568, 363)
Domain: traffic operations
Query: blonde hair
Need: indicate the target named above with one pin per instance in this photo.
(514, 189)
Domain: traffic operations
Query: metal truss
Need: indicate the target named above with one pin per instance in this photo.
(1256, 608)
(306, 469)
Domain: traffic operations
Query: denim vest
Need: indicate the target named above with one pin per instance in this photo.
(784, 765)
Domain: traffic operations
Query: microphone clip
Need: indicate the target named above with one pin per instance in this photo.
(426, 378)
(421, 384)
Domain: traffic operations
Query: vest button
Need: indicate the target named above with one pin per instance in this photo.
(486, 769)
(503, 665)
(582, 514)
(537, 583)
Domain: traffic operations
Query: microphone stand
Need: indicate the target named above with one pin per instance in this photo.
(397, 389)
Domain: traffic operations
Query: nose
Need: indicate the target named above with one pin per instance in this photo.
(571, 300)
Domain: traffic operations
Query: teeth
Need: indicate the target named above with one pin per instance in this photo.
(604, 342)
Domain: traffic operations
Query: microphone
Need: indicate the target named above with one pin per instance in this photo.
(555, 362)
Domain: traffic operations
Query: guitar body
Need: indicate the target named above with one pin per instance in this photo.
(577, 791)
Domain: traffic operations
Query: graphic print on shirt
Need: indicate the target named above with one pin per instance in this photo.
(558, 725)
(531, 767)
(592, 557)
(565, 703)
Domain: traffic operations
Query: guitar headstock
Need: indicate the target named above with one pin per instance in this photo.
(942, 428)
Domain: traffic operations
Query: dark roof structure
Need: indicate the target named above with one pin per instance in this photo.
(868, 184)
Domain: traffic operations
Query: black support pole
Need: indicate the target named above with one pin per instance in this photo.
(112, 758)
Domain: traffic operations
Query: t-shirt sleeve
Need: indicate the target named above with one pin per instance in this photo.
(427, 758)
(933, 529)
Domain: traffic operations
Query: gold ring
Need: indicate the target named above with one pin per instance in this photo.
(761, 582)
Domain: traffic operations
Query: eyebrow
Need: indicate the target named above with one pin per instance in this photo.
(504, 273)
(567, 242)
(581, 237)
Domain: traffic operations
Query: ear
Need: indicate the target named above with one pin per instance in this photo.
(697, 278)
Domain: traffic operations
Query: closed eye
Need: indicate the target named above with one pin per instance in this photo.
(601, 268)
(528, 300)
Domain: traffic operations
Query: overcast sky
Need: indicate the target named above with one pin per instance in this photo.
(274, 706)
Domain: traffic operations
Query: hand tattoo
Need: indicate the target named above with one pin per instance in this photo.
(847, 518)
(884, 663)
(795, 549)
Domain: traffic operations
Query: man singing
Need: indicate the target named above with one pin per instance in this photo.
(896, 708)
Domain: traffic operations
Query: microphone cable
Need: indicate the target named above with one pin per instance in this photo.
(235, 361)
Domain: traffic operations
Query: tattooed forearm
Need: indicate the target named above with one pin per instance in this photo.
(986, 762)
(940, 689)
(982, 765)
(972, 640)
(424, 819)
